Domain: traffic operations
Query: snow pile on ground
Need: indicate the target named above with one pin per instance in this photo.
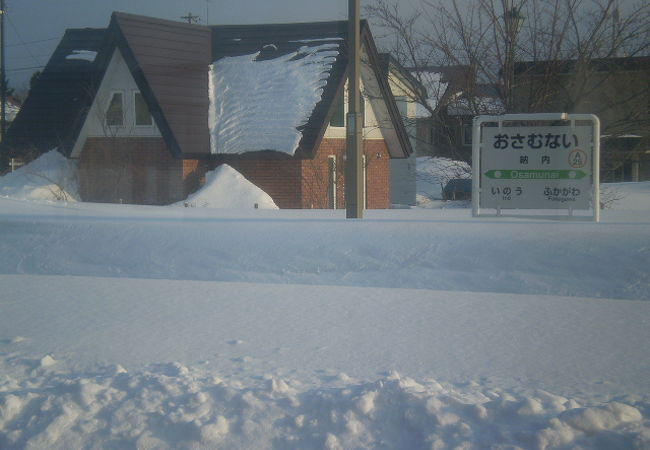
(258, 104)
(49, 177)
(155, 327)
(174, 406)
(91, 362)
(433, 174)
(226, 188)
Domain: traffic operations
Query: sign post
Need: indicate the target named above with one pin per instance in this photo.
(536, 161)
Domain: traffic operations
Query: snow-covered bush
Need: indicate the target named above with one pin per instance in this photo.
(51, 176)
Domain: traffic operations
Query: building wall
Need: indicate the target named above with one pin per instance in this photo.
(130, 170)
(317, 180)
(619, 96)
(279, 177)
(116, 79)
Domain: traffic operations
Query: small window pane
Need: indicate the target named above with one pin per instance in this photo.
(142, 115)
(338, 118)
(402, 105)
(115, 111)
(467, 135)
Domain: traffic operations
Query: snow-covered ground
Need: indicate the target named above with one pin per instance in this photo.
(155, 327)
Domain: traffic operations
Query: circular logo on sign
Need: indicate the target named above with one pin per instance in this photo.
(577, 158)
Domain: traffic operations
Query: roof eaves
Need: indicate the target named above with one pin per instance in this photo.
(375, 63)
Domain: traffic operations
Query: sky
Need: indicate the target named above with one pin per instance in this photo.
(45, 21)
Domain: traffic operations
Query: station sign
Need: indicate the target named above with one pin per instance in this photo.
(551, 166)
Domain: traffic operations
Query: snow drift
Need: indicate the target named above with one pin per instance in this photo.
(226, 188)
(49, 177)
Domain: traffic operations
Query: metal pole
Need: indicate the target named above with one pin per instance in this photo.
(354, 183)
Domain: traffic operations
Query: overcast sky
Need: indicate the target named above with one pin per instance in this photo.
(46, 20)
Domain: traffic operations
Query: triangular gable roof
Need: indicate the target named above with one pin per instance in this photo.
(56, 106)
(399, 144)
(169, 63)
(276, 40)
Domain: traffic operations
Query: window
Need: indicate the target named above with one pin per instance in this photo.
(332, 181)
(338, 118)
(115, 111)
(142, 115)
(467, 135)
(402, 106)
(340, 108)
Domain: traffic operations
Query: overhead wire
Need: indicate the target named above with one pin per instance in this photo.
(29, 52)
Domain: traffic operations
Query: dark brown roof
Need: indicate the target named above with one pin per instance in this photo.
(169, 62)
(57, 104)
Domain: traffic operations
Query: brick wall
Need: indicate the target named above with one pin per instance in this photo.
(316, 177)
(143, 171)
(278, 177)
(130, 170)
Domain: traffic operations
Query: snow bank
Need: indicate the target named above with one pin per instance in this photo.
(49, 177)
(153, 327)
(226, 188)
(172, 406)
(260, 104)
(626, 196)
(433, 173)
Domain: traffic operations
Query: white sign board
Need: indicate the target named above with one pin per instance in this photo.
(535, 167)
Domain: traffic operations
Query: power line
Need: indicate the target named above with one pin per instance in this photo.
(34, 42)
(25, 68)
(21, 40)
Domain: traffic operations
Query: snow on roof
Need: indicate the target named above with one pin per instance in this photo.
(260, 104)
(461, 106)
(84, 55)
(226, 188)
(436, 88)
(11, 111)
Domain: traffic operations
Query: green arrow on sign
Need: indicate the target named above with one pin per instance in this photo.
(535, 174)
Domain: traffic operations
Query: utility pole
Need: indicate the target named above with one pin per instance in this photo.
(3, 76)
(354, 183)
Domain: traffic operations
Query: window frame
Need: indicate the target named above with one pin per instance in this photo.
(343, 99)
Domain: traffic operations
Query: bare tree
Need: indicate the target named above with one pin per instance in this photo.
(488, 36)
(535, 55)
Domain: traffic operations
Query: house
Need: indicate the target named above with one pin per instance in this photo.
(148, 106)
(453, 99)
(615, 89)
(406, 90)
(12, 106)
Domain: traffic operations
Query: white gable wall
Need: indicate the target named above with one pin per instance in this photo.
(378, 124)
(117, 78)
(403, 186)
